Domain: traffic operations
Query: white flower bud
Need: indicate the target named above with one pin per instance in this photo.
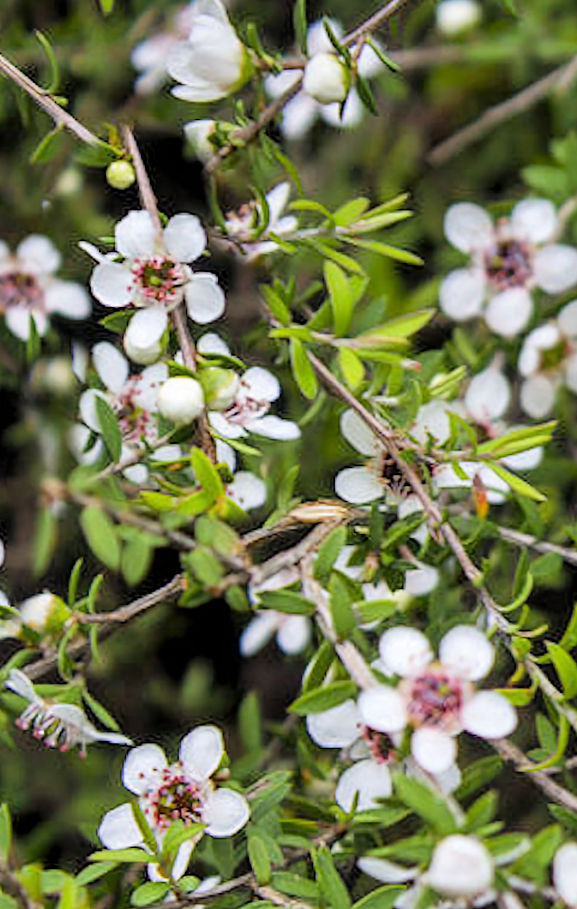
(145, 337)
(326, 79)
(220, 387)
(456, 16)
(181, 400)
(460, 867)
(197, 134)
(565, 873)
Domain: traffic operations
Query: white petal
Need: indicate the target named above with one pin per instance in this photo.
(260, 384)
(224, 427)
(143, 335)
(68, 299)
(19, 682)
(411, 504)
(461, 867)
(184, 238)
(449, 780)
(567, 319)
(258, 632)
(571, 373)
(277, 199)
(534, 220)
(524, 460)
(298, 116)
(87, 407)
(275, 428)
(346, 116)
(294, 634)
(276, 84)
(468, 227)
(370, 780)
(201, 751)
(555, 267)
(382, 708)
(111, 284)
(318, 41)
(201, 90)
(182, 859)
(247, 490)
(433, 750)
(537, 396)
(135, 236)
(358, 485)
(565, 873)
(38, 255)
(385, 871)
(119, 830)
(404, 651)
(18, 322)
(461, 294)
(432, 420)
(489, 715)
(508, 312)
(544, 337)
(211, 343)
(422, 580)
(338, 727)
(488, 396)
(529, 357)
(358, 434)
(446, 476)
(225, 813)
(110, 365)
(141, 766)
(466, 651)
(204, 297)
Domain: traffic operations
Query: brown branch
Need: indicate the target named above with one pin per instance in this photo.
(147, 196)
(514, 755)
(10, 885)
(560, 78)
(44, 100)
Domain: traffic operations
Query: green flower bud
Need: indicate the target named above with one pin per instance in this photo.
(220, 386)
(120, 174)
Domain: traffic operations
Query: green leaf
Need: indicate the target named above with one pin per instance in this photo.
(109, 427)
(101, 536)
(47, 147)
(321, 699)
(351, 211)
(331, 886)
(250, 722)
(54, 80)
(258, 857)
(106, 6)
(5, 832)
(206, 474)
(177, 834)
(557, 755)
(120, 856)
(565, 667)
(569, 639)
(328, 553)
(205, 566)
(341, 606)
(93, 872)
(277, 306)
(302, 369)
(521, 487)
(286, 601)
(351, 367)
(483, 810)
(300, 25)
(340, 296)
(383, 249)
(424, 802)
(151, 892)
(295, 885)
(45, 539)
(100, 711)
(136, 560)
(382, 898)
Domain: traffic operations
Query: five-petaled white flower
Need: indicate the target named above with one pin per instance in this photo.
(257, 390)
(548, 359)
(508, 260)
(154, 276)
(436, 700)
(183, 791)
(242, 226)
(212, 62)
(149, 57)
(57, 725)
(29, 290)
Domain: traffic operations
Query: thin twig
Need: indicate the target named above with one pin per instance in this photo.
(514, 755)
(147, 196)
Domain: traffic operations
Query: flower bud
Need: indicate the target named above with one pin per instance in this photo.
(146, 336)
(198, 133)
(220, 387)
(456, 16)
(54, 376)
(181, 400)
(326, 79)
(43, 613)
(460, 867)
(120, 174)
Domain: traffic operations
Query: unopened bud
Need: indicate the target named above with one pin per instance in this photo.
(456, 16)
(120, 174)
(44, 612)
(326, 79)
(220, 387)
(181, 400)
(198, 133)
(461, 867)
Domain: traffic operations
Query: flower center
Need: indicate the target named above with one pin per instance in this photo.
(177, 798)
(245, 409)
(20, 289)
(158, 280)
(136, 422)
(508, 264)
(379, 744)
(552, 357)
(435, 699)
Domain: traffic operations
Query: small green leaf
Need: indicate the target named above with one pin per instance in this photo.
(47, 147)
(328, 552)
(382, 898)
(120, 856)
(101, 536)
(151, 892)
(321, 699)
(5, 832)
(351, 367)
(109, 427)
(300, 25)
(425, 802)
(106, 6)
(258, 857)
(93, 872)
(286, 601)
(351, 211)
(206, 474)
(565, 667)
(302, 369)
(517, 484)
(340, 296)
(331, 885)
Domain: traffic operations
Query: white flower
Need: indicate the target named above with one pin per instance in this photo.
(180, 399)
(508, 260)
(247, 490)
(565, 873)
(184, 790)
(453, 17)
(29, 290)
(326, 78)
(488, 396)
(292, 632)
(61, 726)
(242, 226)
(547, 360)
(257, 390)
(197, 133)
(154, 275)
(149, 57)
(212, 62)
(461, 867)
(436, 700)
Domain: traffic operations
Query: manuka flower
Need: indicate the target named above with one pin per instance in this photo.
(57, 725)
(243, 226)
(29, 290)
(507, 261)
(149, 57)
(183, 791)
(436, 700)
(548, 359)
(257, 390)
(154, 276)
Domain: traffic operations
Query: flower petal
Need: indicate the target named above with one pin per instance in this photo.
(119, 830)
(204, 297)
(111, 284)
(258, 632)
(110, 365)
(382, 708)
(225, 813)
(565, 873)
(370, 780)
(358, 434)
(38, 255)
(489, 715)
(421, 580)
(567, 319)
(338, 727)
(555, 268)
(358, 485)
(537, 396)
(18, 321)
(247, 490)
(534, 220)
(294, 634)
(461, 294)
(260, 384)
(135, 236)
(67, 299)
(201, 751)
(211, 343)
(468, 227)
(143, 335)
(404, 651)
(432, 420)
(385, 871)
(275, 428)
(433, 750)
(467, 652)
(488, 395)
(184, 238)
(508, 312)
(87, 408)
(141, 766)
(461, 867)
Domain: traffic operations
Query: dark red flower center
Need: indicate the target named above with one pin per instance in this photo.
(508, 264)
(434, 699)
(20, 289)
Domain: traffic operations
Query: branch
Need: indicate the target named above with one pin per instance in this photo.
(12, 887)
(514, 755)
